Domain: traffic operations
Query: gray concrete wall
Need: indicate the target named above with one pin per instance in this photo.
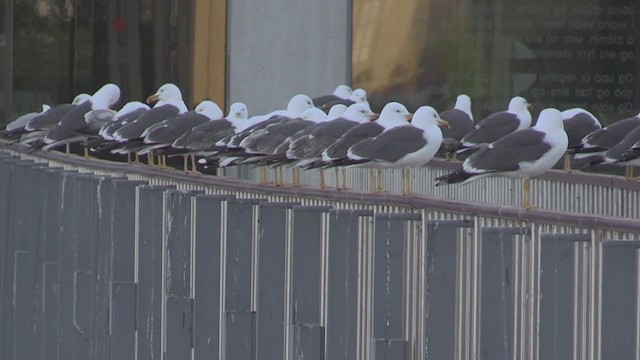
(279, 48)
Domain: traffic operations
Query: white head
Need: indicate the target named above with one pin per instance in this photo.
(130, 107)
(80, 98)
(463, 103)
(336, 111)
(359, 112)
(550, 120)
(105, 97)
(209, 109)
(518, 104)
(298, 104)
(359, 95)
(395, 112)
(167, 93)
(343, 91)
(313, 114)
(238, 112)
(427, 117)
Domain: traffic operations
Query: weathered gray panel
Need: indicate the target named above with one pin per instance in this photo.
(619, 299)
(308, 342)
(38, 185)
(238, 254)
(306, 272)
(382, 349)
(101, 338)
(49, 350)
(178, 247)
(440, 298)
(83, 311)
(342, 294)
(271, 280)
(239, 335)
(388, 288)
(266, 56)
(22, 306)
(179, 327)
(122, 320)
(7, 245)
(208, 230)
(556, 294)
(67, 334)
(123, 229)
(150, 257)
(497, 276)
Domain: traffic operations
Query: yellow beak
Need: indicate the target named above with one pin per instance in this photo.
(153, 98)
(443, 123)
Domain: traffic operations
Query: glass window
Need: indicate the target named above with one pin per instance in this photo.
(554, 53)
(65, 47)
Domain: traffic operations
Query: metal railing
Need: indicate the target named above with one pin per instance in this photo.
(104, 260)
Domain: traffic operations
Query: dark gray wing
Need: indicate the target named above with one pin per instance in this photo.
(577, 127)
(392, 145)
(338, 150)
(168, 131)
(204, 137)
(265, 141)
(506, 153)
(49, 118)
(492, 128)
(325, 134)
(617, 152)
(460, 124)
(609, 136)
(328, 105)
(235, 140)
(109, 128)
(153, 116)
(74, 119)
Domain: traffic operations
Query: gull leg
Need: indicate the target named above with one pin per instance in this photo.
(193, 164)
(322, 184)
(344, 178)
(628, 172)
(150, 159)
(164, 161)
(372, 181)
(379, 188)
(567, 162)
(67, 151)
(136, 158)
(263, 175)
(185, 164)
(281, 172)
(337, 175)
(86, 153)
(526, 194)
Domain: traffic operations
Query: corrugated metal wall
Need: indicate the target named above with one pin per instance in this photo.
(105, 261)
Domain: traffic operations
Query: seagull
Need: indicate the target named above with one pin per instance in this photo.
(36, 128)
(169, 103)
(497, 125)
(625, 153)
(73, 127)
(393, 114)
(578, 123)
(521, 154)
(601, 140)
(340, 94)
(403, 146)
(460, 120)
(17, 127)
(201, 139)
(163, 134)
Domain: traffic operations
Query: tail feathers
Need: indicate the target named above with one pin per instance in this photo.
(469, 149)
(629, 155)
(345, 162)
(593, 161)
(588, 150)
(455, 177)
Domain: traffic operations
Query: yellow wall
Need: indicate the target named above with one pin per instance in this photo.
(209, 50)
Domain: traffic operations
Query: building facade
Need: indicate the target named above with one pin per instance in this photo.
(555, 53)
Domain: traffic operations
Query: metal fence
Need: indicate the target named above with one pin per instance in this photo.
(110, 261)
